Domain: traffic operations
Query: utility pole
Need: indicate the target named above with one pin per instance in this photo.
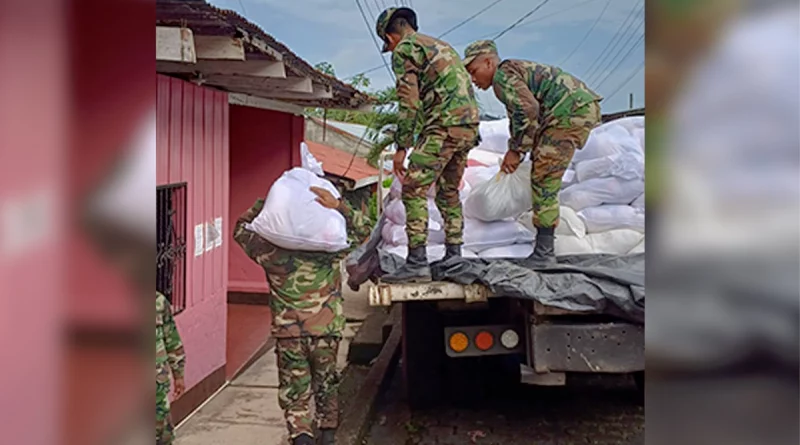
(631, 102)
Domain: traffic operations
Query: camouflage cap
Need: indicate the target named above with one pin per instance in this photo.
(386, 16)
(479, 48)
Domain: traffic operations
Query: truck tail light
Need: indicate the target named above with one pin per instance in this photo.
(484, 340)
(509, 339)
(458, 342)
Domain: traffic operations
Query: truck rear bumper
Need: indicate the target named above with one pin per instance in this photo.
(561, 346)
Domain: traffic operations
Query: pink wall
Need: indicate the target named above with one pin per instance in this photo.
(263, 145)
(192, 147)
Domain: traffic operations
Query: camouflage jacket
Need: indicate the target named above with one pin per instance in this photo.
(169, 348)
(537, 96)
(434, 88)
(305, 287)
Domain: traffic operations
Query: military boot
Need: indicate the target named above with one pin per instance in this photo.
(328, 437)
(303, 439)
(415, 270)
(452, 251)
(544, 251)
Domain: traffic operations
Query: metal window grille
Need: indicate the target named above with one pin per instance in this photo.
(171, 244)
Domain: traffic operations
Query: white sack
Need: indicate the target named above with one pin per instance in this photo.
(569, 178)
(396, 213)
(639, 135)
(611, 217)
(494, 136)
(503, 196)
(572, 245)
(622, 165)
(466, 253)
(435, 252)
(616, 242)
(294, 220)
(639, 248)
(479, 235)
(638, 203)
(631, 123)
(598, 191)
(395, 235)
(607, 140)
(309, 162)
(485, 157)
(512, 251)
(569, 224)
(474, 176)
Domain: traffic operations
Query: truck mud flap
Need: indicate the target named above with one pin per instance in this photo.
(593, 347)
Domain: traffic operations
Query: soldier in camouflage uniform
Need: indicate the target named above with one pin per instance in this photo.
(307, 319)
(551, 114)
(170, 358)
(437, 100)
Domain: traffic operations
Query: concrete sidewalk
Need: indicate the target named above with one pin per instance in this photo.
(246, 412)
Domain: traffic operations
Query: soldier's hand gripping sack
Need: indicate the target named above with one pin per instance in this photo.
(294, 220)
(503, 196)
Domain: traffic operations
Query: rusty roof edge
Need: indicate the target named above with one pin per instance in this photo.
(290, 57)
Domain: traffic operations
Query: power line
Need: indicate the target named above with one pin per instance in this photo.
(566, 59)
(377, 6)
(638, 43)
(618, 33)
(244, 10)
(369, 10)
(611, 59)
(521, 19)
(374, 40)
(470, 18)
(625, 82)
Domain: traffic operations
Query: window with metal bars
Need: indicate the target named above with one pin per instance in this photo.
(171, 244)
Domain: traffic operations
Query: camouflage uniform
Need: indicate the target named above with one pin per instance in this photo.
(551, 114)
(307, 319)
(435, 97)
(169, 357)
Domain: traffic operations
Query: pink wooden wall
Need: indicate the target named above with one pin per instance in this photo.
(192, 147)
(263, 145)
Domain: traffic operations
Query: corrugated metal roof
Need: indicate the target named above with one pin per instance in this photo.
(340, 163)
(356, 130)
(205, 19)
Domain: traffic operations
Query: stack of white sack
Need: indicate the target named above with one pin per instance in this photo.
(294, 220)
(608, 190)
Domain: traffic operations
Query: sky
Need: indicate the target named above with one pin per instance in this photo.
(610, 58)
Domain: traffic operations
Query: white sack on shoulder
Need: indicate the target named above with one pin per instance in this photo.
(479, 235)
(294, 220)
(309, 162)
(512, 251)
(503, 196)
(630, 123)
(622, 165)
(568, 223)
(599, 191)
(611, 217)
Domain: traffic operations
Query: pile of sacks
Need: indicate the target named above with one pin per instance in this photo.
(602, 199)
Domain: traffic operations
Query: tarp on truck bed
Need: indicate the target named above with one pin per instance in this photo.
(590, 284)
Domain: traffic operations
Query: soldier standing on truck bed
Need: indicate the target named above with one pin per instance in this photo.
(436, 99)
(551, 114)
(307, 319)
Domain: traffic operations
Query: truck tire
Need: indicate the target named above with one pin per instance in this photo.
(423, 354)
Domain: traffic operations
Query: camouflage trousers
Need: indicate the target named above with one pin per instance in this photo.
(440, 158)
(306, 367)
(164, 428)
(551, 158)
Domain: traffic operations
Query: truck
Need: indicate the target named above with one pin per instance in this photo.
(462, 340)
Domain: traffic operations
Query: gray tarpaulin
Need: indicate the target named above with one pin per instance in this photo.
(592, 284)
